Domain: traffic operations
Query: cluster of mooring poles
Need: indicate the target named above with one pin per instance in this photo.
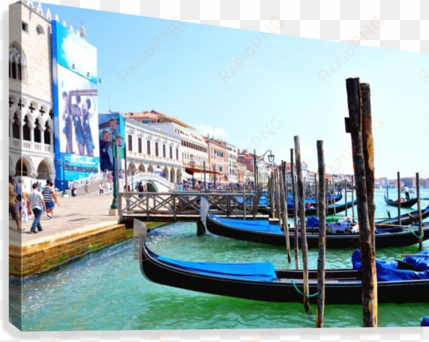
(359, 125)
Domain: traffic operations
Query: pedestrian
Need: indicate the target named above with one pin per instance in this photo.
(49, 198)
(407, 193)
(26, 212)
(101, 189)
(141, 188)
(37, 204)
(18, 190)
(108, 187)
(86, 187)
(73, 189)
(12, 204)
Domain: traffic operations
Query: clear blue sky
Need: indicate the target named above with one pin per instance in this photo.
(279, 82)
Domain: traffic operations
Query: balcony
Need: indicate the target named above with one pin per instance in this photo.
(28, 145)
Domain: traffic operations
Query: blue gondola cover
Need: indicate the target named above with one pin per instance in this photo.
(425, 321)
(258, 271)
(256, 225)
(419, 262)
(387, 270)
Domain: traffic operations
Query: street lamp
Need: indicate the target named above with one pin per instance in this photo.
(64, 193)
(270, 159)
(192, 164)
(116, 141)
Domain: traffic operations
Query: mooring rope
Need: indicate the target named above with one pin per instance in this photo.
(313, 295)
(412, 231)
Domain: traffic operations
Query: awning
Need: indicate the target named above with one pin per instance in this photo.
(191, 171)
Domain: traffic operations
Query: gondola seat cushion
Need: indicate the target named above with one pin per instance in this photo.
(258, 271)
(387, 270)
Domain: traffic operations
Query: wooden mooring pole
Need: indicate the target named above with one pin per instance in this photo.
(345, 193)
(368, 272)
(368, 154)
(295, 210)
(284, 215)
(353, 198)
(303, 234)
(277, 194)
(419, 208)
(322, 239)
(399, 197)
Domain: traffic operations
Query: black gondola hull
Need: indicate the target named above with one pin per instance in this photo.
(337, 291)
(332, 241)
(406, 204)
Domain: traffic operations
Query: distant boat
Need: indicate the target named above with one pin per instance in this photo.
(405, 204)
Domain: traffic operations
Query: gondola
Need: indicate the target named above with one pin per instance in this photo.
(336, 199)
(331, 210)
(406, 204)
(262, 282)
(408, 218)
(271, 234)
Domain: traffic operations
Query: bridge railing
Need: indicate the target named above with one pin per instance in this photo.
(147, 176)
(155, 206)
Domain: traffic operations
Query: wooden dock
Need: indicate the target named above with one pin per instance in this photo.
(183, 206)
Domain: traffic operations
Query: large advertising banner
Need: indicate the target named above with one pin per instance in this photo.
(77, 150)
(114, 124)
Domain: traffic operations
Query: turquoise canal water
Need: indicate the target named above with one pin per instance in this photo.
(106, 290)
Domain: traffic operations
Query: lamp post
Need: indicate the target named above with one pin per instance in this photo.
(109, 136)
(132, 179)
(270, 159)
(214, 176)
(64, 193)
(192, 164)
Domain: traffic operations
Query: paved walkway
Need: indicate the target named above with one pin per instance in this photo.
(73, 213)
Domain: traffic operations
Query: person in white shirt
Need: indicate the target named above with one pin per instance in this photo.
(407, 193)
(37, 204)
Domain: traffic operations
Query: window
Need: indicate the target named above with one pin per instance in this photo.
(140, 145)
(37, 133)
(177, 153)
(39, 30)
(156, 149)
(148, 147)
(130, 143)
(17, 65)
(47, 135)
(171, 152)
(163, 151)
(25, 26)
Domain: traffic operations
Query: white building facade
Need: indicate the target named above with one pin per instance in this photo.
(232, 163)
(31, 142)
(152, 148)
(31, 121)
(193, 147)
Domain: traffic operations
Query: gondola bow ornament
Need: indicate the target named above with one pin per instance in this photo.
(204, 209)
(139, 236)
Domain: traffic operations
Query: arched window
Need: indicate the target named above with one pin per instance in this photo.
(26, 130)
(37, 132)
(15, 127)
(47, 134)
(17, 64)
